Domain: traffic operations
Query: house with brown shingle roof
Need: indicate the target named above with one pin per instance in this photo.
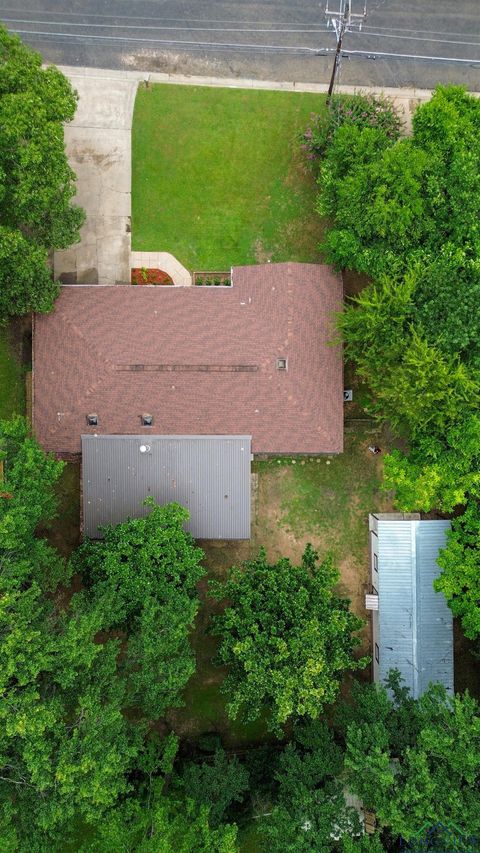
(254, 359)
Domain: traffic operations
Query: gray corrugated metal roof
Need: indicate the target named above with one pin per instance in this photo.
(416, 633)
(209, 475)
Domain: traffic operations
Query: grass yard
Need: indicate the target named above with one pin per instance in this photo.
(12, 374)
(218, 178)
(322, 500)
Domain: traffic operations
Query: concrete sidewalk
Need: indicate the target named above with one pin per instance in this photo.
(98, 143)
(405, 99)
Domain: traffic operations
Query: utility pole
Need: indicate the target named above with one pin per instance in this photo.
(343, 20)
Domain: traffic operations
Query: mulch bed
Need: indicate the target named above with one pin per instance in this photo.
(141, 275)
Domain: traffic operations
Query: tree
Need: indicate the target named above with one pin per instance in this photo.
(217, 784)
(310, 810)
(391, 199)
(359, 110)
(285, 636)
(406, 212)
(415, 384)
(27, 500)
(415, 761)
(439, 471)
(163, 824)
(311, 823)
(460, 569)
(376, 193)
(37, 184)
(146, 571)
(66, 746)
(446, 295)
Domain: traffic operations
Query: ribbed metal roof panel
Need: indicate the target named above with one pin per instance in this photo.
(209, 475)
(416, 633)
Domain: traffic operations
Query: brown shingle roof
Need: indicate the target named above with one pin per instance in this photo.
(201, 360)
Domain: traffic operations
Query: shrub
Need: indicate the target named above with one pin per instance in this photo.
(360, 110)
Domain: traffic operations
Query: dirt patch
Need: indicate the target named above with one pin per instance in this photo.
(261, 254)
(467, 669)
(354, 282)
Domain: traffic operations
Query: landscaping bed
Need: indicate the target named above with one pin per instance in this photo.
(142, 275)
(215, 279)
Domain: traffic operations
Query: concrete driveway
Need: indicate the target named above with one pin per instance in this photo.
(98, 143)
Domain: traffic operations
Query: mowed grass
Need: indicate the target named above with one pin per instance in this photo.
(12, 376)
(218, 176)
(331, 498)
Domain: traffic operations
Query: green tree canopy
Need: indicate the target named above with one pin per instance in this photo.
(407, 213)
(27, 500)
(415, 762)
(37, 184)
(438, 472)
(61, 730)
(310, 811)
(216, 784)
(460, 569)
(392, 200)
(286, 637)
(146, 571)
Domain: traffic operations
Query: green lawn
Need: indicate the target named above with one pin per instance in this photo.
(218, 177)
(12, 376)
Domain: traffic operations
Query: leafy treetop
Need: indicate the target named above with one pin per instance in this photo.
(286, 637)
(37, 184)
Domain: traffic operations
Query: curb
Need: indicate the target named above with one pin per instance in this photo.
(240, 83)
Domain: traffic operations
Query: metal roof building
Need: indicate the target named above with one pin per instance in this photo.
(207, 474)
(411, 623)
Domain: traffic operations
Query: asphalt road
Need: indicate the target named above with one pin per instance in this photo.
(273, 39)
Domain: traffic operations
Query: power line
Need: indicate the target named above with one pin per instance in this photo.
(278, 31)
(183, 42)
(392, 30)
(420, 38)
(175, 29)
(374, 54)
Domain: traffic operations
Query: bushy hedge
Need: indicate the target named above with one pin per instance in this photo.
(362, 110)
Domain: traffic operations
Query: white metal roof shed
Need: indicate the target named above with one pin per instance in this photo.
(413, 624)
